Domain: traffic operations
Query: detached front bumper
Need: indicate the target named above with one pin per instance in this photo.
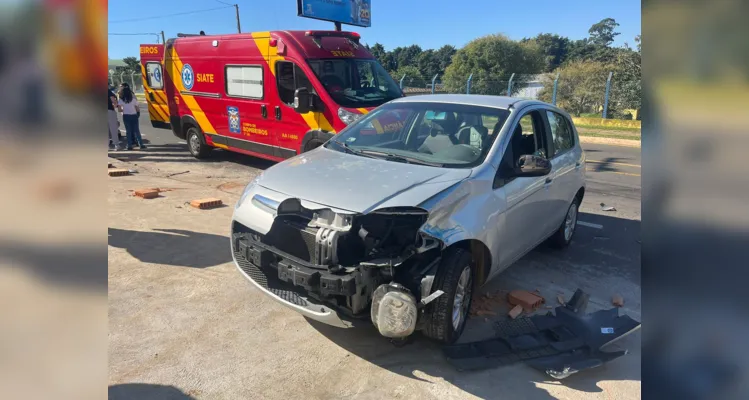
(283, 292)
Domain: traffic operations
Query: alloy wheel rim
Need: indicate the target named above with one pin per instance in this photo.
(462, 298)
(570, 222)
(194, 143)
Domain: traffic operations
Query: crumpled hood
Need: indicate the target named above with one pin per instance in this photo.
(356, 183)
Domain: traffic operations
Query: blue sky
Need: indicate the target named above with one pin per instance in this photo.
(430, 24)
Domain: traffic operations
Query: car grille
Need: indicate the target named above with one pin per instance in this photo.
(268, 279)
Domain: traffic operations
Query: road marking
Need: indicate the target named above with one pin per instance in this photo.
(612, 172)
(589, 225)
(615, 163)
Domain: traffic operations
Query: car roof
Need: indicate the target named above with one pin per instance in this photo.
(502, 102)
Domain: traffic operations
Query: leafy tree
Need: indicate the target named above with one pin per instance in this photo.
(378, 51)
(602, 33)
(407, 55)
(413, 76)
(626, 85)
(581, 88)
(428, 64)
(492, 59)
(133, 64)
(444, 57)
(554, 47)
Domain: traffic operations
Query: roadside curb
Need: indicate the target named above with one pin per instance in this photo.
(610, 141)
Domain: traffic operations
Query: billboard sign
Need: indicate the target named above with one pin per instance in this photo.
(350, 12)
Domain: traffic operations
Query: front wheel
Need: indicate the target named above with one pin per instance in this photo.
(446, 316)
(196, 144)
(313, 144)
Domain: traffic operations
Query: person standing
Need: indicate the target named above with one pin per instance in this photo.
(112, 120)
(130, 114)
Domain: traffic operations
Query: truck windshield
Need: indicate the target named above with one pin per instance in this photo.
(355, 82)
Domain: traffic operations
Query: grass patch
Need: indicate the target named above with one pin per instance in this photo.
(610, 135)
(608, 128)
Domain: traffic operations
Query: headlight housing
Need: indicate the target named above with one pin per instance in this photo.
(347, 117)
(246, 191)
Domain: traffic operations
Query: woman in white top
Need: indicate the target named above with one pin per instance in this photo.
(128, 104)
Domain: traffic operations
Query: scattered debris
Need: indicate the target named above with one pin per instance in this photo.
(206, 203)
(559, 344)
(516, 311)
(132, 171)
(229, 185)
(604, 207)
(177, 173)
(561, 299)
(485, 313)
(548, 307)
(529, 301)
(118, 172)
(147, 193)
(487, 302)
(617, 300)
(110, 165)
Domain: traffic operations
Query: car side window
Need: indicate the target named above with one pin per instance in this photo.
(528, 137)
(289, 78)
(561, 132)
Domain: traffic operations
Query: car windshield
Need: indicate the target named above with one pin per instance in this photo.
(437, 134)
(356, 82)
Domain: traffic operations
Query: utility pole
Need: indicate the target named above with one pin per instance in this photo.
(337, 26)
(236, 8)
(163, 41)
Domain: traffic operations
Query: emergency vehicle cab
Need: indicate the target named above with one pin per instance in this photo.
(266, 94)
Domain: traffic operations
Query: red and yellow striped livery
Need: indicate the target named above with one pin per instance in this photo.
(241, 92)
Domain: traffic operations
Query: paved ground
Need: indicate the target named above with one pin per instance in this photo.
(183, 321)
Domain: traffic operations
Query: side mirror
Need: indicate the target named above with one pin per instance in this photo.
(531, 165)
(302, 100)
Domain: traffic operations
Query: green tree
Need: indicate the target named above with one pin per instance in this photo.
(626, 85)
(413, 77)
(602, 33)
(444, 57)
(378, 51)
(428, 64)
(133, 64)
(492, 59)
(407, 55)
(554, 47)
(581, 88)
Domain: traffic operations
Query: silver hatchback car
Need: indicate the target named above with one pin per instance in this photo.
(402, 215)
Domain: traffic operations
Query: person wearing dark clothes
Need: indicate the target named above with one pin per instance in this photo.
(128, 104)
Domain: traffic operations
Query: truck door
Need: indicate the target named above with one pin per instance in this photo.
(292, 126)
(152, 71)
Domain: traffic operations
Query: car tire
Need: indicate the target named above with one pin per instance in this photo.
(455, 268)
(563, 236)
(196, 144)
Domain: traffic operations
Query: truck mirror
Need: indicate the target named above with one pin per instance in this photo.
(302, 100)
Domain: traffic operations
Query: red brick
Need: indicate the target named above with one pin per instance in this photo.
(110, 165)
(529, 301)
(206, 203)
(147, 193)
(118, 172)
(516, 311)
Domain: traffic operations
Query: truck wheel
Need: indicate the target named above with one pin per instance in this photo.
(313, 144)
(196, 143)
(446, 316)
(563, 236)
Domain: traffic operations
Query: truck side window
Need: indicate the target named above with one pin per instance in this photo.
(289, 78)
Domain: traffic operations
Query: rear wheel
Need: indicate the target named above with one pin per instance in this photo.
(563, 236)
(196, 143)
(446, 316)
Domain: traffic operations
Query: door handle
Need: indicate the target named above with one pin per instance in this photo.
(278, 113)
(151, 96)
(264, 111)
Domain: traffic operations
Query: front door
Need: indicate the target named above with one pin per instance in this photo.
(290, 125)
(527, 199)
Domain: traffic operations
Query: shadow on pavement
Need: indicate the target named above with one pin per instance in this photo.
(146, 391)
(179, 153)
(597, 254)
(175, 247)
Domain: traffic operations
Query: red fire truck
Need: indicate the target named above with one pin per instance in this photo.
(266, 94)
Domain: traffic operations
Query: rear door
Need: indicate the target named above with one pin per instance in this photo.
(566, 161)
(152, 72)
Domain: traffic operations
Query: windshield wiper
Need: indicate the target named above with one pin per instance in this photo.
(400, 158)
(350, 150)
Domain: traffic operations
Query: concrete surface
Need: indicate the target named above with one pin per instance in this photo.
(184, 323)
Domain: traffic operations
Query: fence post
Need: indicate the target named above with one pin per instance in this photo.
(468, 84)
(433, 81)
(554, 93)
(404, 77)
(122, 79)
(606, 99)
(132, 80)
(509, 85)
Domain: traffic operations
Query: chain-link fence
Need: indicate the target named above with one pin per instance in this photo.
(134, 79)
(603, 96)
